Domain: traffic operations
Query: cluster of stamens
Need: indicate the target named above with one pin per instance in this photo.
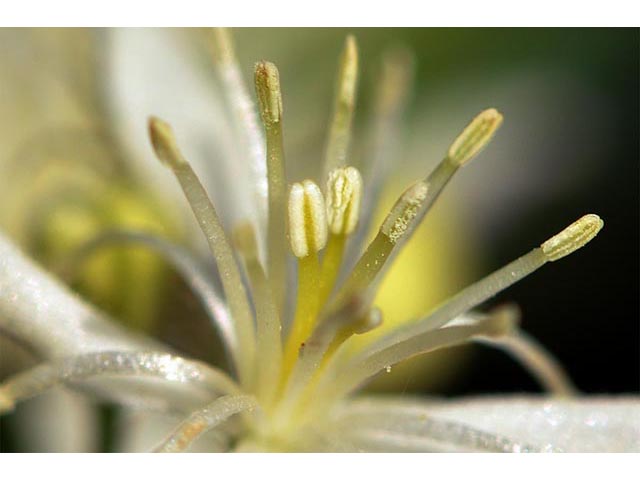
(293, 363)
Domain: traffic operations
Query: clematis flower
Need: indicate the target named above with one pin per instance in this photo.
(291, 338)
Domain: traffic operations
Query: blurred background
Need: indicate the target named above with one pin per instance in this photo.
(73, 109)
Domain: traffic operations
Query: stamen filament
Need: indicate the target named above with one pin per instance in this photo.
(203, 420)
(345, 97)
(309, 368)
(167, 151)
(421, 336)
(268, 338)
(411, 208)
(391, 99)
(344, 192)
(359, 370)
(183, 262)
(331, 263)
(267, 82)
(494, 283)
(307, 236)
(536, 359)
(307, 308)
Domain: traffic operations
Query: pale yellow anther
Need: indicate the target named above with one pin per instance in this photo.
(348, 75)
(307, 219)
(399, 220)
(164, 143)
(344, 192)
(344, 104)
(475, 137)
(503, 320)
(267, 82)
(575, 236)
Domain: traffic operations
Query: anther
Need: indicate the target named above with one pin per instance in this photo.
(307, 219)
(166, 149)
(344, 192)
(503, 320)
(474, 137)
(164, 143)
(267, 82)
(575, 236)
(399, 220)
(348, 74)
(344, 103)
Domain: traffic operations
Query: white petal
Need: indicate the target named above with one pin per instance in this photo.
(587, 424)
(156, 72)
(191, 269)
(38, 311)
(52, 322)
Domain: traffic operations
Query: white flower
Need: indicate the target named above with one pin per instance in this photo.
(295, 371)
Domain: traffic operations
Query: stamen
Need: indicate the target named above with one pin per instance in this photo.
(268, 90)
(411, 208)
(398, 224)
(331, 332)
(167, 151)
(308, 235)
(575, 236)
(475, 137)
(307, 219)
(486, 288)
(363, 367)
(269, 348)
(384, 134)
(400, 219)
(164, 144)
(505, 321)
(267, 82)
(203, 420)
(427, 334)
(531, 354)
(340, 131)
(344, 192)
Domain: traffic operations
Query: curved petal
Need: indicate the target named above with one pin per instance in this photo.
(156, 72)
(162, 366)
(588, 424)
(52, 322)
(39, 312)
(190, 268)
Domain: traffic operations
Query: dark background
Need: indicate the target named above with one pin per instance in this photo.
(585, 308)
